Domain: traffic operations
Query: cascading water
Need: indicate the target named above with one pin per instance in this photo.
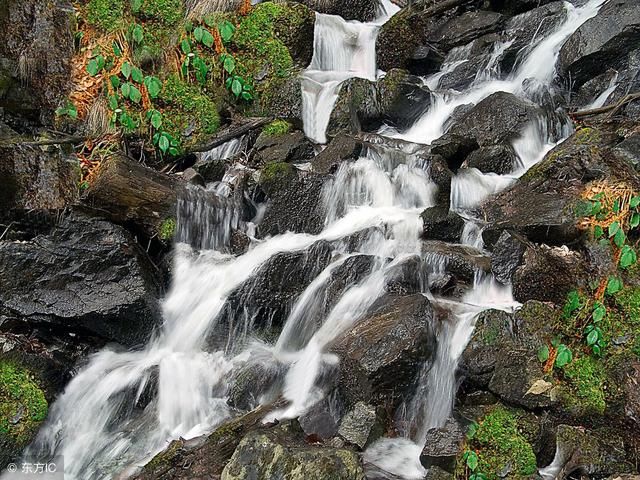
(123, 407)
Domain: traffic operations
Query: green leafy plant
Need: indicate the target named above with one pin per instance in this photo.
(240, 88)
(96, 65)
(166, 143)
(69, 110)
(564, 356)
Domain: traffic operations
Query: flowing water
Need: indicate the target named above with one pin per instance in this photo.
(124, 406)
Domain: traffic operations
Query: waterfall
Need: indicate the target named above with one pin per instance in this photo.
(124, 406)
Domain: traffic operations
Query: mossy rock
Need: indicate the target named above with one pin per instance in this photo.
(23, 407)
(275, 176)
(106, 15)
(585, 379)
(276, 128)
(167, 12)
(502, 445)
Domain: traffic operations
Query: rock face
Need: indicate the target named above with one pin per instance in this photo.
(361, 10)
(33, 30)
(441, 224)
(443, 445)
(289, 147)
(275, 454)
(381, 356)
(87, 276)
(362, 425)
(601, 42)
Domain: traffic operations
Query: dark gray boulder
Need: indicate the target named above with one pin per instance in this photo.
(443, 445)
(341, 148)
(465, 28)
(88, 275)
(629, 150)
(291, 147)
(511, 7)
(382, 354)
(500, 159)
(461, 261)
(362, 425)
(506, 257)
(361, 10)
(439, 223)
(601, 42)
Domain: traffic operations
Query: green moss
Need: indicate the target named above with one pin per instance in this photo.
(167, 229)
(22, 404)
(167, 12)
(587, 135)
(188, 107)
(585, 377)
(277, 127)
(163, 459)
(501, 444)
(258, 43)
(107, 15)
(275, 171)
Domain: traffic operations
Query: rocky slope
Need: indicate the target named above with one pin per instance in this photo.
(107, 106)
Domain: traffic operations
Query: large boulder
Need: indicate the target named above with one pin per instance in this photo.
(88, 275)
(287, 147)
(465, 28)
(381, 355)
(361, 10)
(33, 80)
(601, 42)
(282, 453)
(362, 425)
(516, 6)
(439, 223)
(443, 445)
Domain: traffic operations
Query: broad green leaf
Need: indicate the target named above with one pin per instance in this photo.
(564, 356)
(197, 33)
(236, 86)
(596, 349)
(126, 70)
(92, 67)
(616, 206)
(125, 89)
(115, 81)
(113, 102)
(117, 51)
(207, 38)
(229, 64)
(136, 5)
(596, 208)
(613, 228)
(628, 257)
(163, 143)
(228, 82)
(614, 285)
(543, 354)
(135, 94)
(472, 461)
(634, 202)
(137, 34)
(226, 30)
(154, 86)
(247, 96)
(478, 476)
(635, 220)
(619, 238)
(592, 337)
(598, 232)
(173, 151)
(136, 75)
(599, 311)
(156, 119)
(101, 62)
(185, 46)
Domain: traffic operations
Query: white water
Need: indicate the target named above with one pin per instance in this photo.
(601, 99)
(125, 406)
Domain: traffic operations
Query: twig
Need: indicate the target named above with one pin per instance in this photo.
(232, 133)
(609, 108)
(56, 141)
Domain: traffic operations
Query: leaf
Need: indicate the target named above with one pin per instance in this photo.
(473, 429)
(616, 206)
(539, 387)
(126, 70)
(564, 356)
(592, 337)
(596, 208)
(173, 151)
(613, 228)
(226, 30)
(247, 96)
(598, 232)
(137, 34)
(135, 94)
(596, 349)
(136, 5)
(72, 111)
(634, 202)
(236, 86)
(619, 238)
(635, 220)
(156, 119)
(598, 312)
(185, 46)
(228, 82)
(136, 75)
(117, 51)
(101, 62)
(628, 257)
(154, 86)
(472, 460)
(163, 144)
(92, 67)
(197, 33)
(113, 102)
(543, 353)
(229, 64)
(207, 38)
(125, 90)
(115, 81)
(614, 285)
(478, 476)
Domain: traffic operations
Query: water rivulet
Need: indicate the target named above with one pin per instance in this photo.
(124, 406)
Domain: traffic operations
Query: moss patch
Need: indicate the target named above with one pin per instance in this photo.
(502, 446)
(188, 110)
(167, 12)
(167, 229)
(586, 377)
(277, 127)
(107, 15)
(22, 404)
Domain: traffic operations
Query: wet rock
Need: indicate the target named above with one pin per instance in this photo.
(279, 453)
(601, 42)
(439, 223)
(464, 28)
(597, 453)
(265, 299)
(547, 274)
(500, 159)
(361, 10)
(629, 150)
(357, 105)
(88, 275)
(592, 89)
(296, 206)
(498, 119)
(362, 425)
(407, 277)
(381, 355)
(352, 271)
(192, 177)
(341, 148)
(437, 473)
(541, 205)
(516, 6)
(282, 98)
(211, 170)
(454, 148)
(294, 26)
(254, 384)
(460, 260)
(443, 445)
(402, 98)
(321, 420)
(506, 257)
(291, 147)
(34, 80)
(632, 392)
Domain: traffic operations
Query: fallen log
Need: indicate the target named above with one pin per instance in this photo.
(231, 133)
(611, 109)
(130, 193)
